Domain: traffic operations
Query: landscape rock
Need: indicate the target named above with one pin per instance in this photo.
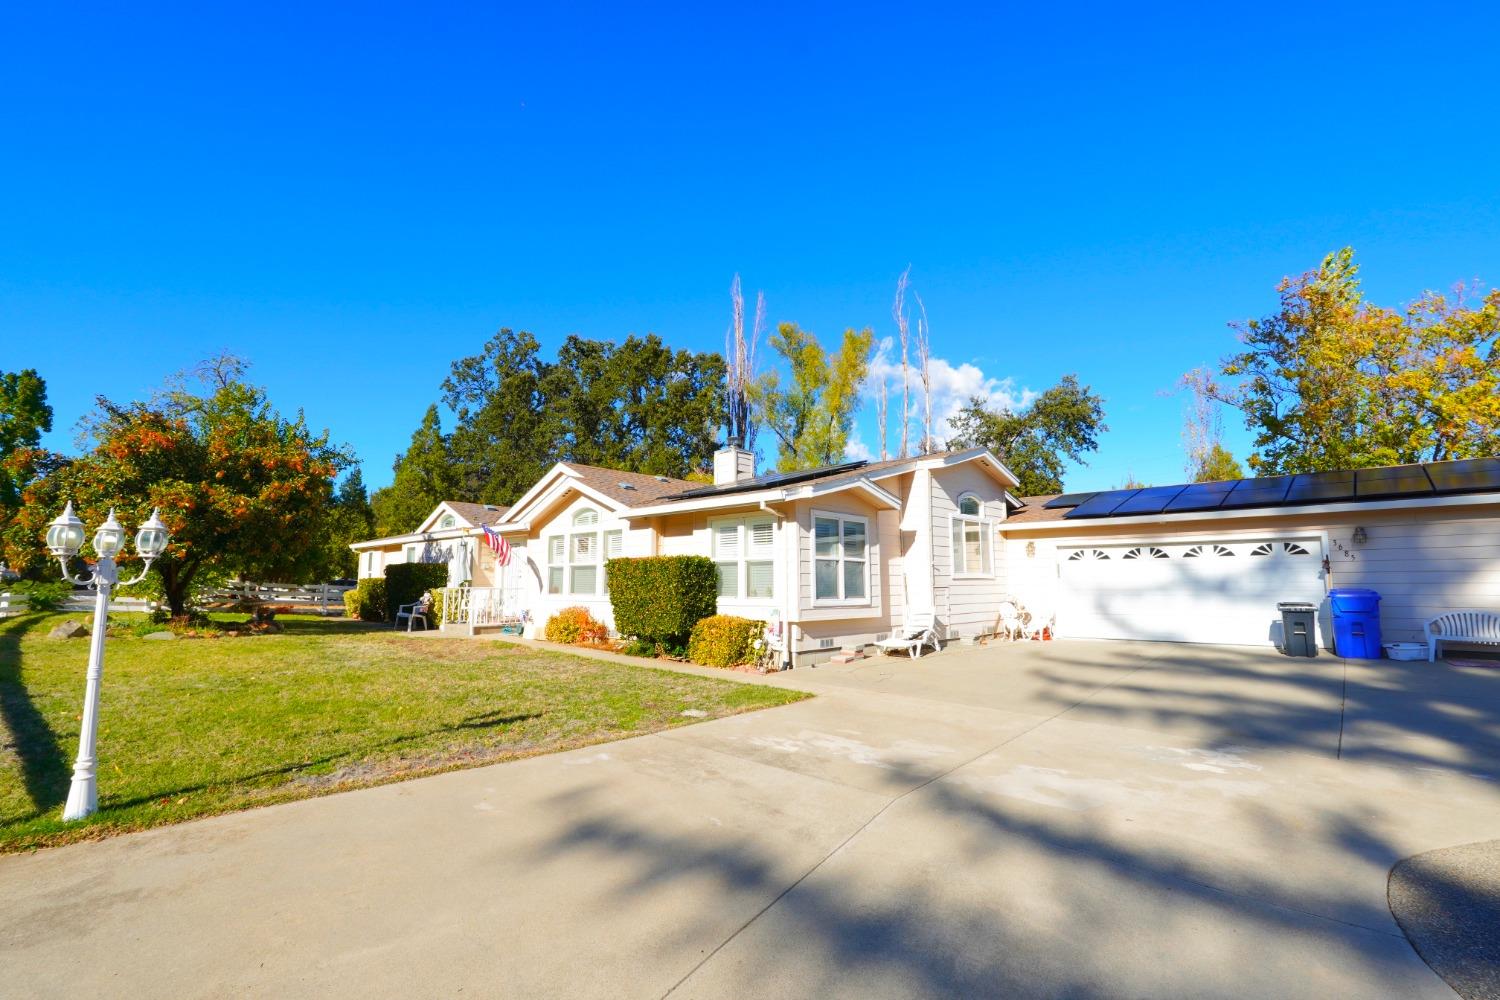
(695, 713)
(68, 630)
(160, 635)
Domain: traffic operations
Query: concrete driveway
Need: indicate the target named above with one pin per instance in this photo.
(1057, 819)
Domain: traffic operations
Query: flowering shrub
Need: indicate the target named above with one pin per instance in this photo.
(724, 641)
(576, 627)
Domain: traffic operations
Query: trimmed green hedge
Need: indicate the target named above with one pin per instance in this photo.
(366, 601)
(724, 641)
(405, 583)
(661, 598)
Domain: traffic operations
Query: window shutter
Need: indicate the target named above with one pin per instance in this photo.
(555, 549)
(614, 544)
(727, 541)
(761, 535)
(586, 517)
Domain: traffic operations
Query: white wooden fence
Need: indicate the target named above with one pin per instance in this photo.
(14, 604)
(327, 598)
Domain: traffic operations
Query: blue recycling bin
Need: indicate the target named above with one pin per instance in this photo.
(1356, 622)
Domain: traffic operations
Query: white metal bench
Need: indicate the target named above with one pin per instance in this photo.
(1466, 625)
(919, 631)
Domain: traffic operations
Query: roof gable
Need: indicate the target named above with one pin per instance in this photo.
(466, 515)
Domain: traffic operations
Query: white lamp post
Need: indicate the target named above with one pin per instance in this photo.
(64, 540)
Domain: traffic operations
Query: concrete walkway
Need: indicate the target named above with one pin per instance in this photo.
(1059, 819)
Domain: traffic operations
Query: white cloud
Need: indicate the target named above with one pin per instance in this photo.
(953, 385)
(855, 450)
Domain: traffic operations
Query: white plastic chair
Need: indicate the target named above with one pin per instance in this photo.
(1008, 620)
(414, 611)
(918, 632)
(1038, 622)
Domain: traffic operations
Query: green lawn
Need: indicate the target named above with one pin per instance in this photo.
(200, 726)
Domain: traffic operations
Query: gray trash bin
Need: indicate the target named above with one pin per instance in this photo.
(1299, 628)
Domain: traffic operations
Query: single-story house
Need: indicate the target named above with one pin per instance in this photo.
(837, 556)
(834, 555)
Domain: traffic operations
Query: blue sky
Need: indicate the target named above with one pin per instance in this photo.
(354, 196)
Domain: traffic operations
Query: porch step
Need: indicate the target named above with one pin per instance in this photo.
(848, 655)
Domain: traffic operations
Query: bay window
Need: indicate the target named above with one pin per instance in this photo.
(744, 551)
(841, 565)
(971, 539)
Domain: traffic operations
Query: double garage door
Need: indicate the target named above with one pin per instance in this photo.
(1217, 591)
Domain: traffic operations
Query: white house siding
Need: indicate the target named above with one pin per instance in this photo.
(822, 628)
(692, 535)
(966, 604)
(1422, 561)
(637, 541)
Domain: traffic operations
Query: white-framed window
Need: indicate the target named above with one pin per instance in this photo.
(841, 558)
(744, 550)
(411, 553)
(575, 562)
(447, 521)
(614, 547)
(556, 548)
(973, 541)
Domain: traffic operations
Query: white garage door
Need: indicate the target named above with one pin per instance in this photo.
(1222, 592)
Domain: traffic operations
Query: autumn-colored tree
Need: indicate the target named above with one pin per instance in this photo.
(243, 490)
(1330, 381)
(812, 416)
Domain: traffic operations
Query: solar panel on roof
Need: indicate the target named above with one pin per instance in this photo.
(1401, 481)
(1066, 500)
(1266, 492)
(1101, 504)
(1465, 476)
(1316, 487)
(1152, 500)
(1199, 496)
(773, 479)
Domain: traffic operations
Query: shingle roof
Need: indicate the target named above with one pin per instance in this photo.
(477, 514)
(633, 489)
(1035, 510)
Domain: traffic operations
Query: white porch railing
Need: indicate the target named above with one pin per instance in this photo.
(477, 607)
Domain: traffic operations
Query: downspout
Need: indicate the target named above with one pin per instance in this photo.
(788, 597)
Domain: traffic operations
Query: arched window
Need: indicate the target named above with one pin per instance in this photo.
(575, 562)
(447, 521)
(969, 505)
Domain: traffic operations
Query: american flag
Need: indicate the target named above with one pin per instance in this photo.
(498, 544)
